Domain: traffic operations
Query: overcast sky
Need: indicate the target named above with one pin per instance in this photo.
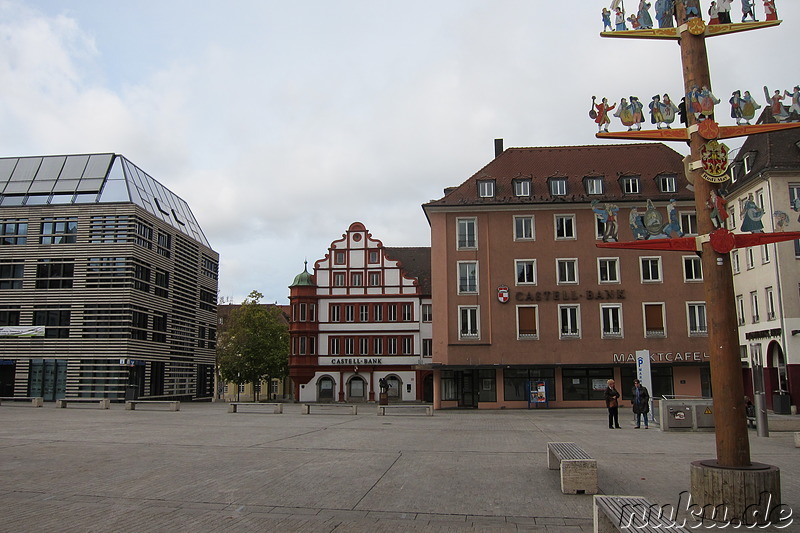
(282, 122)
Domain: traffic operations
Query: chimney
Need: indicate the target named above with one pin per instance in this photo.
(498, 147)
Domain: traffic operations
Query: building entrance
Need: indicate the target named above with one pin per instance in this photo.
(468, 386)
(7, 370)
(48, 379)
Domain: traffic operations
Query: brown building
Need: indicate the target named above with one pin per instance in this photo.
(521, 293)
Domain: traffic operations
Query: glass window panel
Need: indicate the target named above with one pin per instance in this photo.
(97, 165)
(26, 169)
(37, 199)
(12, 200)
(17, 187)
(51, 168)
(63, 185)
(74, 166)
(6, 168)
(42, 186)
(86, 198)
(115, 191)
(87, 185)
(61, 198)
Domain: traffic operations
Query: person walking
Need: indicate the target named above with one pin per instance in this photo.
(612, 403)
(641, 403)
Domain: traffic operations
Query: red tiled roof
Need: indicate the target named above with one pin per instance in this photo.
(646, 160)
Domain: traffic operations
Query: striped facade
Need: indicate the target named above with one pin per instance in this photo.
(115, 269)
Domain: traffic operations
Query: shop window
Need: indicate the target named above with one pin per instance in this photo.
(515, 383)
(447, 381)
(488, 385)
(582, 384)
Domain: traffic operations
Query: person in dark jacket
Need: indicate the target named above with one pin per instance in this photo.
(612, 403)
(640, 402)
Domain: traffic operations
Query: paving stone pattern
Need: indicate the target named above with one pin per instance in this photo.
(203, 469)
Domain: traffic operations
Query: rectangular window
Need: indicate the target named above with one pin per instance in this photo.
(349, 313)
(770, 298)
(391, 312)
(751, 262)
(165, 245)
(651, 269)
(567, 271)
(467, 277)
(569, 321)
(523, 228)
(516, 380)
(338, 258)
(374, 257)
(338, 279)
(582, 384)
(594, 185)
(363, 346)
(526, 271)
(448, 384)
(735, 261)
(54, 274)
(391, 346)
(468, 327)
(765, 254)
(754, 308)
(486, 188)
(427, 347)
(558, 186)
(630, 185)
(608, 269)
(13, 231)
(374, 279)
(689, 223)
(162, 283)
(9, 315)
(667, 184)
(696, 315)
(335, 346)
(565, 227)
(11, 273)
(408, 345)
(377, 312)
(363, 313)
(349, 346)
(527, 322)
(356, 279)
(377, 345)
(55, 319)
(408, 312)
(740, 309)
(336, 313)
(692, 268)
(59, 230)
(654, 320)
(427, 312)
(522, 187)
(611, 321)
(467, 233)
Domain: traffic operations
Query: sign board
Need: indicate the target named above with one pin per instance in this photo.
(537, 393)
(22, 331)
(643, 373)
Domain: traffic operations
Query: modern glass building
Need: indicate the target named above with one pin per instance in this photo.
(108, 286)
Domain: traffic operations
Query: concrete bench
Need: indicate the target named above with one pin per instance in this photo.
(35, 401)
(631, 513)
(103, 403)
(233, 407)
(172, 405)
(402, 407)
(751, 422)
(330, 408)
(578, 468)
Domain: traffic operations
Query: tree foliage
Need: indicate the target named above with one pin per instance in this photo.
(254, 346)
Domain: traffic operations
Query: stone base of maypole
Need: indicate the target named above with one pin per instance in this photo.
(742, 495)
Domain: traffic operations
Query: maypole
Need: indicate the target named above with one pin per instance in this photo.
(731, 483)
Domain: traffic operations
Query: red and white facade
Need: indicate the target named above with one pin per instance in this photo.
(364, 314)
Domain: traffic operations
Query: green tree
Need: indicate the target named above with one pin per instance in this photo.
(254, 346)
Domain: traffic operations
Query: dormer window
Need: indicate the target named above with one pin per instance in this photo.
(522, 187)
(593, 185)
(630, 185)
(748, 160)
(667, 183)
(558, 186)
(486, 188)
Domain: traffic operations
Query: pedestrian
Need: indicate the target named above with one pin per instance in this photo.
(641, 403)
(612, 403)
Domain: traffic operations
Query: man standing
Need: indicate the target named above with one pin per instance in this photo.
(724, 7)
(641, 403)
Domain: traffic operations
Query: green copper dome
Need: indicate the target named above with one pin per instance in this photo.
(303, 278)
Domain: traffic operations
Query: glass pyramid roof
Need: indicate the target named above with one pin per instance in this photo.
(92, 179)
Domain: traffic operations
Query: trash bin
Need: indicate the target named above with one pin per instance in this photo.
(781, 404)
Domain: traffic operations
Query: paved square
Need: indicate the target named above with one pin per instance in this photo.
(201, 468)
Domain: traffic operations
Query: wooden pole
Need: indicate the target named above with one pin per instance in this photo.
(733, 445)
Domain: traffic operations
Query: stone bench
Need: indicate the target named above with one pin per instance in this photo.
(172, 405)
(277, 408)
(330, 408)
(578, 468)
(103, 403)
(392, 407)
(631, 513)
(36, 401)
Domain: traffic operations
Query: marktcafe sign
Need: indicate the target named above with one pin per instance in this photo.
(377, 361)
(665, 357)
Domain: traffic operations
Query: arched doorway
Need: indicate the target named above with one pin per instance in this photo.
(395, 388)
(778, 362)
(356, 389)
(325, 389)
